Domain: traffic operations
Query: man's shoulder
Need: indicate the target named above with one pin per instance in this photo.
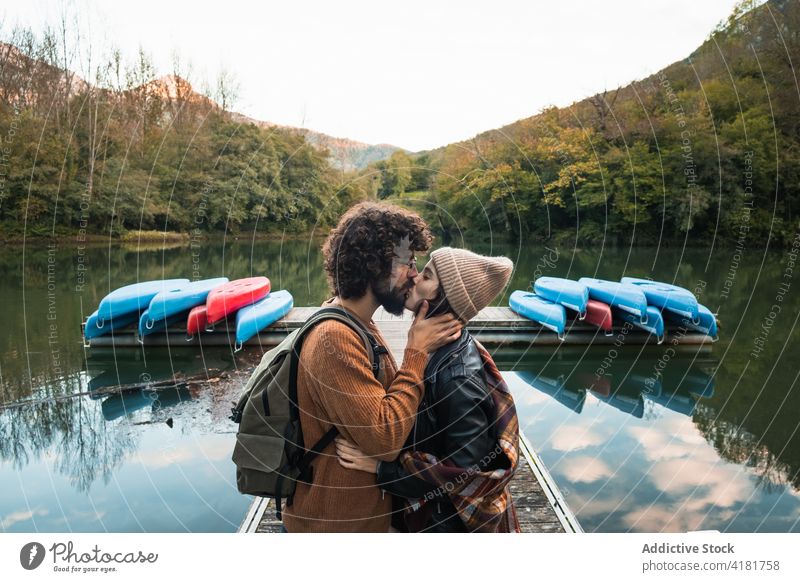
(334, 332)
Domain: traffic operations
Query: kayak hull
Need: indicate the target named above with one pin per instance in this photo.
(566, 292)
(706, 321)
(95, 327)
(252, 319)
(551, 315)
(168, 303)
(599, 314)
(665, 296)
(626, 298)
(147, 325)
(654, 322)
(135, 297)
(232, 296)
(197, 320)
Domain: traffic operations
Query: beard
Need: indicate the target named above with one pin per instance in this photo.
(393, 299)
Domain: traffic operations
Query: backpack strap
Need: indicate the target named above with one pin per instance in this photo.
(374, 350)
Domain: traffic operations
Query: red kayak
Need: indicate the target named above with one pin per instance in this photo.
(197, 320)
(599, 314)
(232, 296)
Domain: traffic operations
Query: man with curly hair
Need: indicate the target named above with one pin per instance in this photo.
(370, 261)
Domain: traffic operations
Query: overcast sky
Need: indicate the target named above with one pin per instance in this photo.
(413, 74)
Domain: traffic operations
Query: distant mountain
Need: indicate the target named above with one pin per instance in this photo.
(345, 154)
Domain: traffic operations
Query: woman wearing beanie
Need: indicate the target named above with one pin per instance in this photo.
(454, 471)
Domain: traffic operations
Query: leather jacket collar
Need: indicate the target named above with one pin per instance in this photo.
(445, 354)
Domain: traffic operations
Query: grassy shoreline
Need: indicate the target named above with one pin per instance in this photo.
(148, 238)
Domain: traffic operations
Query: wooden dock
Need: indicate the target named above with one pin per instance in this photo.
(540, 506)
(493, 327)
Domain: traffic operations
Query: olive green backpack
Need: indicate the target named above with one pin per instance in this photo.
(269, 454)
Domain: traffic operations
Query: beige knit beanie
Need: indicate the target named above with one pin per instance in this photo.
(470, 281)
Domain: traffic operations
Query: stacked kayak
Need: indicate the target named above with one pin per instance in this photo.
(123, 307)
(551, 315)
(653, 322)
(252, 319)
(624, 297)
(666, 297)
(134, 298)
(648, 305)
(169, 303)
(232, 296)
(570, 294)
(95, 327)
(170, 307)
(177, 304)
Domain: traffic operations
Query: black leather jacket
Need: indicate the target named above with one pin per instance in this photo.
(455, 420)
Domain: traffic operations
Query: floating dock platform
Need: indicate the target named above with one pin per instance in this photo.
(493, 327)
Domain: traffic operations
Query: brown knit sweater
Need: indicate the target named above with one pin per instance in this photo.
(336, 386)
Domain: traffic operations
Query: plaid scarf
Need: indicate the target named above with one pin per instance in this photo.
(482, 498)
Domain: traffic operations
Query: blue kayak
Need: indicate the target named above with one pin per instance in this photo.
(654, 323)
(95, 327)
(706, 322)
(167, 303)
(568, 293)
(252, 319)
(640, 281)
(627, 298)
(148, 325)
(665, 296)
(135, 298)
(551, 315)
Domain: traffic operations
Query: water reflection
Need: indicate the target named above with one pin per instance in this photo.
(653, 442)
(645, 442)
(625, 382)
(96, 432)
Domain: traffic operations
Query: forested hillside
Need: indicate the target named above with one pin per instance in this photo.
(131, 150)
(706, 149)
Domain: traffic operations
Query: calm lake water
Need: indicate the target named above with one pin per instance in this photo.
(638, 439)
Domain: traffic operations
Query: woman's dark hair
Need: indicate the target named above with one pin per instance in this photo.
(360, 249)
(439, 304)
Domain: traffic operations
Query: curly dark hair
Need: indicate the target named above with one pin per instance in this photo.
(360, 249)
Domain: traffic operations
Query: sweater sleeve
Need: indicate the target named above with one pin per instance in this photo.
(336, 365)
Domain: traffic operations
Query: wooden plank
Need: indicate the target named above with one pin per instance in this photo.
(254, 515)
(534, 510)
(549, 487)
